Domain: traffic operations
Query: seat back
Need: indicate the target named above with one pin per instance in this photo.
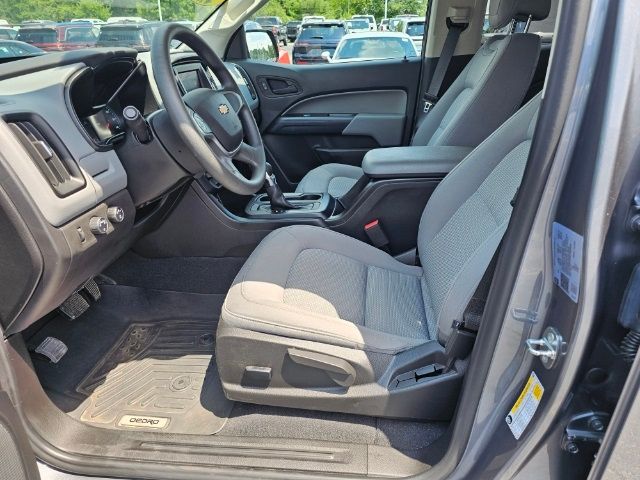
(493, 84)
(467, 215)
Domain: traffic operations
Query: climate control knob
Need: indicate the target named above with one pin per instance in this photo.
(115, 214)
(98, 225)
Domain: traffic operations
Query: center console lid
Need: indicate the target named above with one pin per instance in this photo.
(412, 162)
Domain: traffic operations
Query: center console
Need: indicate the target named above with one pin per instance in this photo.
(378, 165)
(392, 193)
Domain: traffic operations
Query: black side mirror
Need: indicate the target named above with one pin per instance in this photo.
(262, 45)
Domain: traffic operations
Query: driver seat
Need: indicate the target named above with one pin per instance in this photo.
(322, 321)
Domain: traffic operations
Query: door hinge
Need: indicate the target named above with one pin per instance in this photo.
(585, 427)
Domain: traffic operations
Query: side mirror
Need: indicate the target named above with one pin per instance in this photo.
(262, 45)
(326, 56)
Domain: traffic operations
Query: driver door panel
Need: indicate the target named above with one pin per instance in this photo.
(332, 113)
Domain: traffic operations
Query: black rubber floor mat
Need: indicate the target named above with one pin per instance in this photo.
(159, 376)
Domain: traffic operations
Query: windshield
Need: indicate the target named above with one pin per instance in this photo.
(58, 25)
(266, 21)
(365, 18)
(375, 47)
(333, 32)
(37, 35)
(415, 29)
(359, 24)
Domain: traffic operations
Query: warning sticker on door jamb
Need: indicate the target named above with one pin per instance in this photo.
(525, 407)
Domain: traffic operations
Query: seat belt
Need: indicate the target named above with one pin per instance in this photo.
(457, 22)
(463, 335)
(472, 315)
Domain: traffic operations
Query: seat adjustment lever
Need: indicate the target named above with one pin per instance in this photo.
(339, 370)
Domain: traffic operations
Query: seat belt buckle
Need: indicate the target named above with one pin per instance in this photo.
(429, 102)
(376, 234)
(460, 342)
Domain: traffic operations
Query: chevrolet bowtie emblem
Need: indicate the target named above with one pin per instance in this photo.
(223, 109)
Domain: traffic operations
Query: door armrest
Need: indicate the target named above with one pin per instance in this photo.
(412, 162)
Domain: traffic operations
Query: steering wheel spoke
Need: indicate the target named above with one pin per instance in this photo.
(248, 154)
(235, 100)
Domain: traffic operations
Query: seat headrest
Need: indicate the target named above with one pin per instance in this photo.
(501, 12)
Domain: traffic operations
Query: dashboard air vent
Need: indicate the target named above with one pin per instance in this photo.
(49, 155)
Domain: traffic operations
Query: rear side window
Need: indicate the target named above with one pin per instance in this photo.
(38, 36)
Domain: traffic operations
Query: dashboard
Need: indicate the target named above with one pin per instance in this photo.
(75, 188)
(99, 95)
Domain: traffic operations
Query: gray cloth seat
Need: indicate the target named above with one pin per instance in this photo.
(488, 91)
(315, 290)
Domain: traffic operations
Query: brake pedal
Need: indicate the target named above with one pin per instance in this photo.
(74, 306)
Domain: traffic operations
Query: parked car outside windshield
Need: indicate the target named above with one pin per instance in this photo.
(276, 26)
(413, 28)
(370, 19)
(61, 25)
(8, 33)
(316, 38)
(14, 48)
(376, 46)
(61, 37)
(134, 35)
(251, 25)
(293, 30)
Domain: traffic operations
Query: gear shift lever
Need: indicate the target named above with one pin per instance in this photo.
(274, 192)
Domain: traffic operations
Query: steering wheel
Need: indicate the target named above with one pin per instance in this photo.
(216, 125)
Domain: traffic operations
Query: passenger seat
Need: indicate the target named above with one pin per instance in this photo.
(488, 91)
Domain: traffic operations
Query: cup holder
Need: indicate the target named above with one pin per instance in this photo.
(308, 205)
(294, 197)
(308, 197)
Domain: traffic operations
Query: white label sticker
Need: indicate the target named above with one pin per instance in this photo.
(567, 260)
(52, 348)
(522, 411)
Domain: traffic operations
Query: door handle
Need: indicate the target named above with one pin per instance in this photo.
(285, 90)
(282, 86)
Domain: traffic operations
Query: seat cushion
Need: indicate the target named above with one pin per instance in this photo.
(314, 284)
(333, 178)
